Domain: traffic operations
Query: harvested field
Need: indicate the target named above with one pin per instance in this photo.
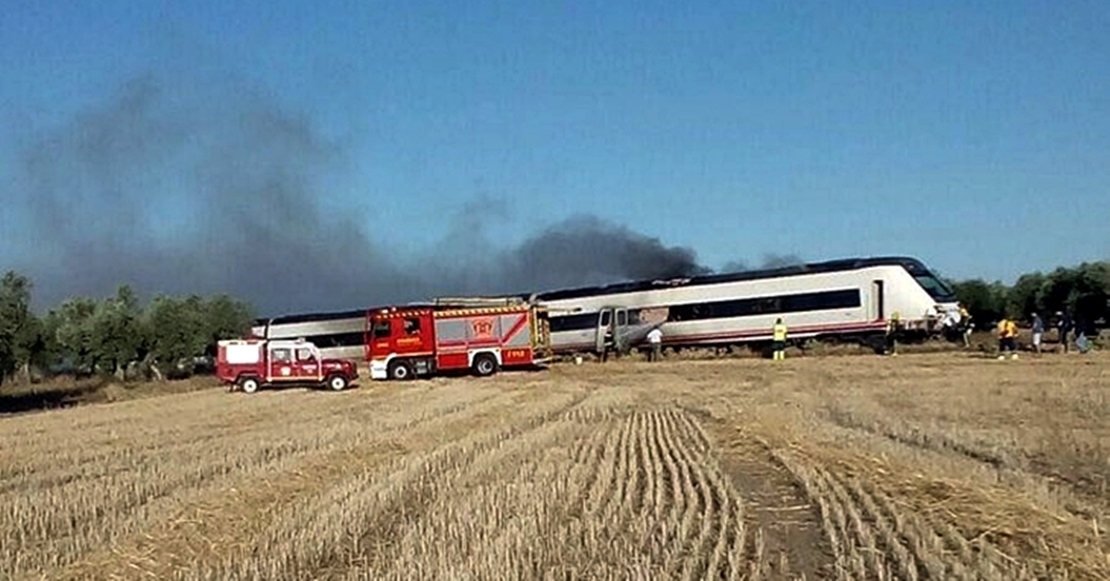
(929, 466)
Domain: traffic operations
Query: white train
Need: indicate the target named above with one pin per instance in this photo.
(340, 335)
(844, 300)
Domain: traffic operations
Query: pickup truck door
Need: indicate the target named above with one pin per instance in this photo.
(281, 364)
(308, 364)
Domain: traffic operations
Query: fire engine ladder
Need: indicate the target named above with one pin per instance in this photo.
(487, 302)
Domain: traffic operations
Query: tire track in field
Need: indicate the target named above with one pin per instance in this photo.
(791, 533)
(873, 536)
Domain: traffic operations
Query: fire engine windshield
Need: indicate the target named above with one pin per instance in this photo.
(381, 329)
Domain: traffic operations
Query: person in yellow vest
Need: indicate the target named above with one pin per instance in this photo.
(1007, 338)
(1012, 333)
(893, 326)
(779, 344)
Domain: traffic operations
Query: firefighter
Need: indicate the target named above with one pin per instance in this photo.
(1012, 333)
(893, 326)
(779, 344)
(1007, 338)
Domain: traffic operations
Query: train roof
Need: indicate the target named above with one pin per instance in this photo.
(913, 265)
(313, 317)
(444, 304)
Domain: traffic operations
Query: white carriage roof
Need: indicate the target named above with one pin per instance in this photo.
(913, 265)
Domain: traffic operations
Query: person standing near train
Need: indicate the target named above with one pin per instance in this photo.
(966, 325)
(893, 328)
(779, 343)
(1007, 338)
(1038, 332)
(1063, 326)
(655, 340)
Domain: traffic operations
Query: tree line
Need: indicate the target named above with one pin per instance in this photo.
(1081, 292)
(115, 335)
(165, 337)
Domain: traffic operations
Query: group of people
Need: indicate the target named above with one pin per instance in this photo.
(1007, 335)
(778, 345)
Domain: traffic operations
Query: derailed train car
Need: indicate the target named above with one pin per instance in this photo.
(338, 335)
(842, 300)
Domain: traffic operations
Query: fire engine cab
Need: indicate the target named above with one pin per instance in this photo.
(248, 364)
(405, 342)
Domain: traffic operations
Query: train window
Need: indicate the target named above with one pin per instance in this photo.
(605, 319)
(622, 318)
(842, 299)
(339, 339)
(573, 322)
(935, 287)
(839, 299)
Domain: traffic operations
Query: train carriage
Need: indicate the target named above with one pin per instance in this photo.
(338, 335)
(845, 299)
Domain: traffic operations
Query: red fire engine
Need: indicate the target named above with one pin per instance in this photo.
(404, 342)
(252, 363)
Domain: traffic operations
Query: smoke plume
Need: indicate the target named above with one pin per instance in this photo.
(178, 189)
(770, 260)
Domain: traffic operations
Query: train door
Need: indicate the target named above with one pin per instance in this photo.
(613, 325)
(620, 324)
(604, 329)
(878, 308)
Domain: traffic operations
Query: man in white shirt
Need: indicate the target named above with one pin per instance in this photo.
(655, 339)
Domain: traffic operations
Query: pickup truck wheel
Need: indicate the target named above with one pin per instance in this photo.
(484, 364)
(400, 370)
(248, 384)
(337, 383)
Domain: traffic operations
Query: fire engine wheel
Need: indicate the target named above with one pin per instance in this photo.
(400, 370)
(484, 364)
(248, 384)
(337, 383)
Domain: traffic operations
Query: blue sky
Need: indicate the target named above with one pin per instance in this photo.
(974, 135)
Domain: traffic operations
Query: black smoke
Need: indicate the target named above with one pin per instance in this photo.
(769, 260)
(178, 188)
